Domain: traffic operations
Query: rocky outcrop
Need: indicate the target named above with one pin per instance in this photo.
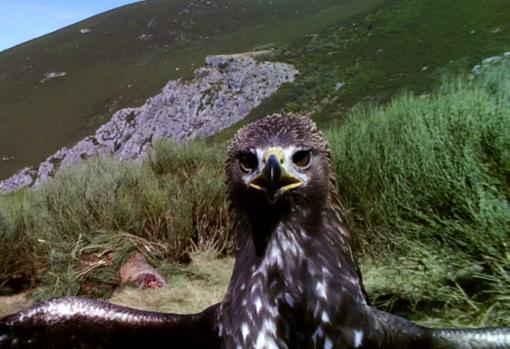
(221, 93)
(489, 62)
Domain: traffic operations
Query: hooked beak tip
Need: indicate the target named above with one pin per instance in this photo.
(274, 180)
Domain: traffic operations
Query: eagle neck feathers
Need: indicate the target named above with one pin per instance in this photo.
(293, 272)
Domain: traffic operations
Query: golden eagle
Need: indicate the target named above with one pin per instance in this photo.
(295, 284)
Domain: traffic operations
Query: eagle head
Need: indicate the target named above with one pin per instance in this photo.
(278, 162)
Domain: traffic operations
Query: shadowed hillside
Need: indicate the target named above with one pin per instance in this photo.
(120, 58)
(348, 52)
(397, 46)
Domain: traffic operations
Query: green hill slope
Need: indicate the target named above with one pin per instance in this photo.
(399, 45)
(348, 52)
(126, 55)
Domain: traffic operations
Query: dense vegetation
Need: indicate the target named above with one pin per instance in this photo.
(427, 183)
(425, 180)
(78, 228)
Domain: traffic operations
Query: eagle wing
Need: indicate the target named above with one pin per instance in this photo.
(392, 331)
(73, 322)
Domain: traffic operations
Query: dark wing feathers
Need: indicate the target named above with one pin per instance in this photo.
(81, 323)
(395, 332)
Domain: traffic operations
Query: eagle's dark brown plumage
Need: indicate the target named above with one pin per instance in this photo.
(296, 283)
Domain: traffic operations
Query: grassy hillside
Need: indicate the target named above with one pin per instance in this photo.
(128, 55)
(373, 48)
(425, 181)
(401, 45)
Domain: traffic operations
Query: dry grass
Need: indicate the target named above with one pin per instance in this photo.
(12, 304)
(189, 289)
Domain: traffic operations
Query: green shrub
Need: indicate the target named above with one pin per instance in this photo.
(429, 176)
(84, 224)
(199, 199)
(19, 261)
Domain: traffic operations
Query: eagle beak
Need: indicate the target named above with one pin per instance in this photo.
(274, 179)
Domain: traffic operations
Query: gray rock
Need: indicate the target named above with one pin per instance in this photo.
(487, 63)
(53, 75)
(221, 93)
(339, 85)
(24, 178)
(492, 60)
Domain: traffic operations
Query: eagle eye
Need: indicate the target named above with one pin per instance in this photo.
(248, 162)
(302, 158)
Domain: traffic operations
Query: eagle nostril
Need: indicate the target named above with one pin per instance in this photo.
(272, 171)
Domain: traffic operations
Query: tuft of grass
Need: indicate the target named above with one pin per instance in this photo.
(426, 181)
(12, 304)
(198, 171)
(19, 262)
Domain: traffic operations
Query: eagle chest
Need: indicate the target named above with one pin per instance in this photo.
(288, 300)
